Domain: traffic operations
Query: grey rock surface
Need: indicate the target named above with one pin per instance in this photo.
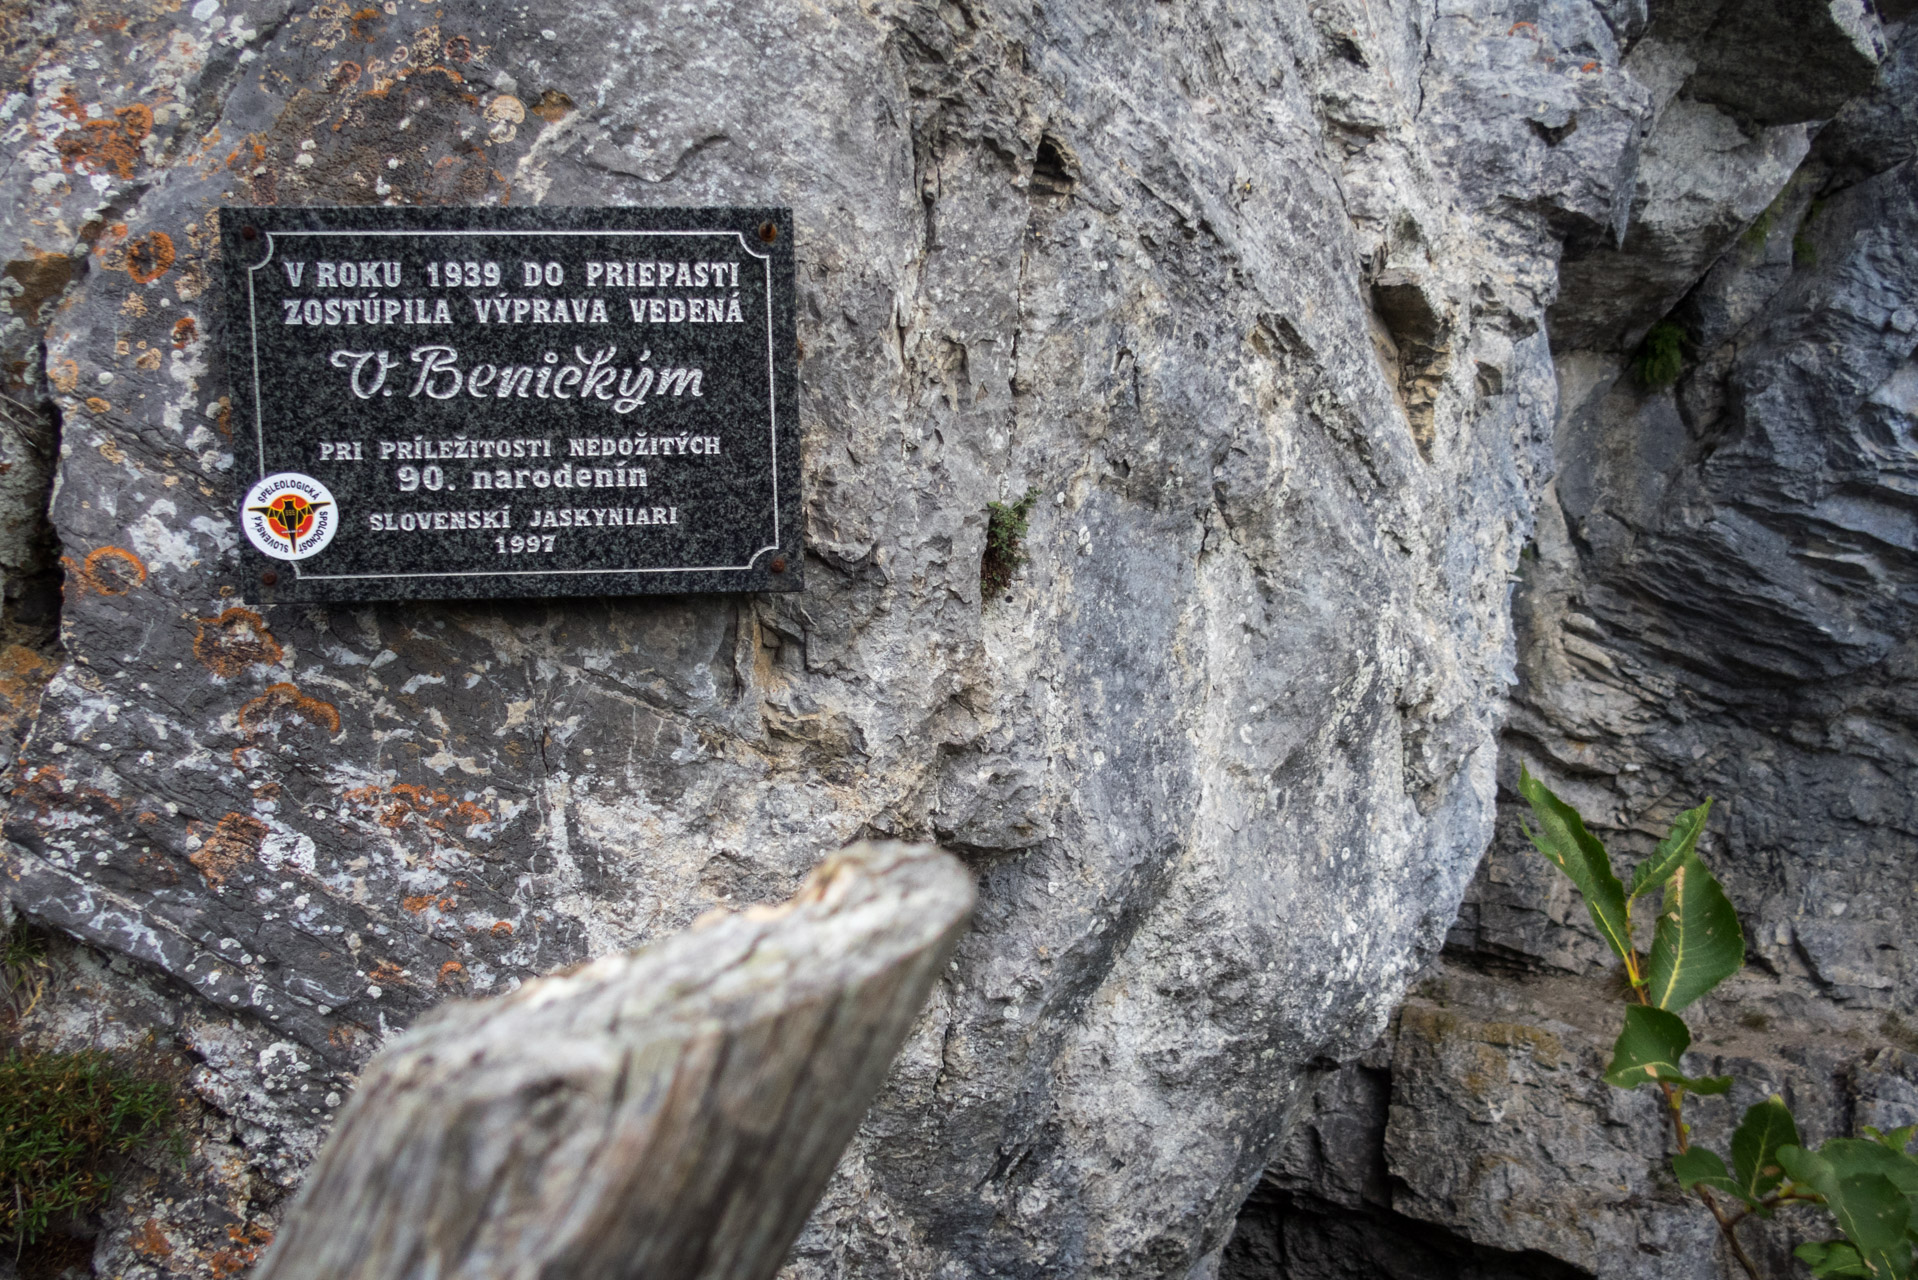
(1478, 1138)
(1257, 297)
(1721, 603)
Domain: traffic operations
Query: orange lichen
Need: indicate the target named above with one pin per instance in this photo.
(248, 1239)
(149, 257)
(387, 974)
(103, 144)
(502, 928)
(450, 971)
(285, 701)
(112, 571)
(437, 809)
(185, 330)
(97, 404)
(151, 1242)
(235, 840)
(237, 639)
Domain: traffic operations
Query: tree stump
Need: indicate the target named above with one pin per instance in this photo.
(671, 1113)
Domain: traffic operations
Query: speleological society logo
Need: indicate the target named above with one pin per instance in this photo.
(289, 516)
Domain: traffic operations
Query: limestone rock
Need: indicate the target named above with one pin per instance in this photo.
(1720, 604)
(1491, 1146)
(1256, 296)
(1782, 61)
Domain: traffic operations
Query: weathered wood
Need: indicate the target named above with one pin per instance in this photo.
(667, 1113)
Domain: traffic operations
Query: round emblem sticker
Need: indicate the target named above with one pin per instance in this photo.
(289, 516)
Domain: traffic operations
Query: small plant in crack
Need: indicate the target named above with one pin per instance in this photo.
(1005, 542)
(1661, 356)
(1804, 249)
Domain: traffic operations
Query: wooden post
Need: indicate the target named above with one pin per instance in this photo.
(671, 1113)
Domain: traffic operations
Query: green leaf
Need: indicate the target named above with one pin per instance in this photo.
(1700, 1166)
(1562, 838)
(1872, 1212)
(1860, 1155)
(1679, 844)
(1876, 1217)
(1832, 1258)
(1649, 1049)
(1698, 943)
(1767, 1126)
(1897, 1140)
(1852, 1157)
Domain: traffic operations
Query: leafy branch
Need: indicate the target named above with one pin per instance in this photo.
(1869, 1185)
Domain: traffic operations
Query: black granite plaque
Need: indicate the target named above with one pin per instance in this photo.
(513, 402)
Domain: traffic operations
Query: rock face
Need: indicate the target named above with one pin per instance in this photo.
(1256, 297)
(1721, 604)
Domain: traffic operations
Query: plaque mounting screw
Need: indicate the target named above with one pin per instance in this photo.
(768, 232)
(249, 233)
(779, 564)
(269, 578)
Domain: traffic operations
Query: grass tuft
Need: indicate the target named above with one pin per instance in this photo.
(66, 1119)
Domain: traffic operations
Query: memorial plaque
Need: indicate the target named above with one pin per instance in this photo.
(512, 402)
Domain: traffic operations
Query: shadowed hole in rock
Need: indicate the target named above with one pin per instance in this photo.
(1348, 49)
(1052, 171)
(1283, 1236)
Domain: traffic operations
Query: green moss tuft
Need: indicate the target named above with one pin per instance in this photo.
(1804, 250)
(1005, 542)
(66, 1121)
(1661, 357)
